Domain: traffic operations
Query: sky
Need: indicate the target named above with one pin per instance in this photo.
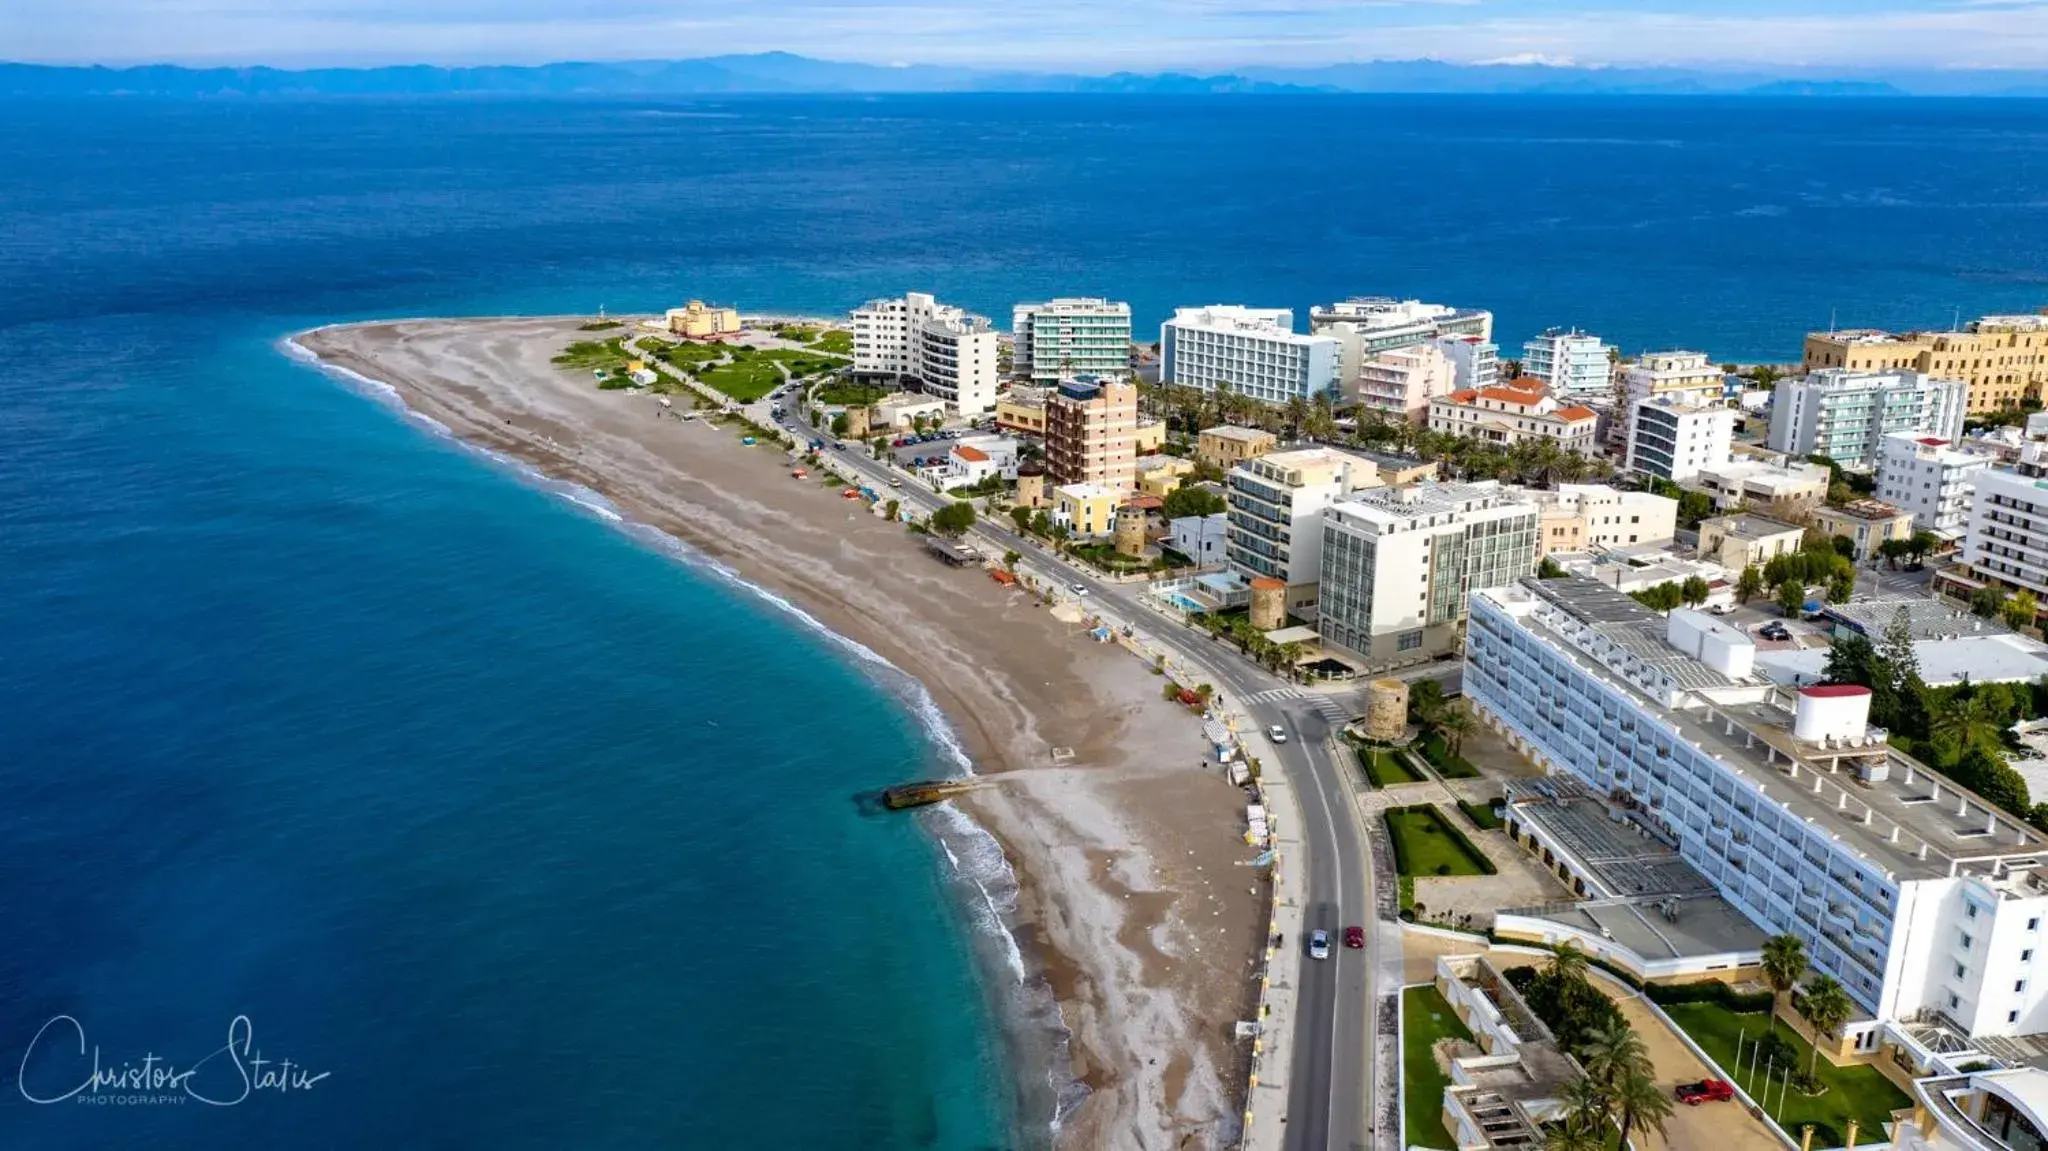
(1062, 35)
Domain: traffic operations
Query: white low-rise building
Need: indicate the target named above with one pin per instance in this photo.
(1925, 900)
(974, 460)
(1675, 441)
(1253, 351)
(1766, 484)
(949, 353)
(1569, 362)
(1475, 362)
(1200, 538)
(1924, 475)
(1577, 517)
(902, 409)
(1508, 415)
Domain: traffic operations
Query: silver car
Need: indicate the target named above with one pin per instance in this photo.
(1319, 944)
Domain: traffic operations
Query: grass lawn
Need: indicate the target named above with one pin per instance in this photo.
(1425, 1019)
(590, 355)
(688, 356)
(1859, 1091)
(851, 395)
(1383, 768)
(745, 381)
(835, 342)
(1426, 847)
(1481, 815)
(1447, 765)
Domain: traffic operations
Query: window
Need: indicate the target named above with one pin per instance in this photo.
(1962, 972)
(1969, 912)
(2012, 1017)
(1954, 1002)
(2020, 987)
(2034, 924)
(2027, 956)
(1966, 941)
(1409, 641)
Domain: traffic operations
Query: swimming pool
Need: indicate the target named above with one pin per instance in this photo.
(1184, 603)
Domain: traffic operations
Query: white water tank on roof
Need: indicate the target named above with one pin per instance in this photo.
(1831, 710)
(1708, 640)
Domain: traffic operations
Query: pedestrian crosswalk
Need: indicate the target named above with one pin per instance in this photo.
(1330, 709)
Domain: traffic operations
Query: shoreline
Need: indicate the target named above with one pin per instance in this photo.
(1115, 948)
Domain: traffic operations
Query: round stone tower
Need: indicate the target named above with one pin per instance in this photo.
(1386, 709)
(1031, 485)
(1130, 531)
(1269, 603)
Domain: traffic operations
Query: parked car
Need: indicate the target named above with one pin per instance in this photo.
(1078, 588)
(1277, 733)
(1705, 1091)
(1319, 944)
(1354, 937)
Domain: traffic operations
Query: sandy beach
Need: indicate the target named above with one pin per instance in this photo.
(1133, 906)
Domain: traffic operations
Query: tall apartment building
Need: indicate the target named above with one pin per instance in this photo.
(1090, 433)
(1676, 441)
(1252, 351)
(2007, 540)
(1845, 415)
(1276, 504)
(1475, 363)
(1398, 564)
(1068, 337)
(1926, 901)
(1507, 415)
(1366, 326)
(1576, 517)
(1400, 384)
(950, 353)
(1568, 360)
(1923, 475)
(2002, 359)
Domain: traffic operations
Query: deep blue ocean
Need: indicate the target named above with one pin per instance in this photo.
(529, 834)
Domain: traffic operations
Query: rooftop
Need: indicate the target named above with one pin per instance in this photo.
(1926, 618)
(1872, 510)
(1391, 506)
(1234, 432)
(1997, 657)
(1750, 527)
(1906, 821)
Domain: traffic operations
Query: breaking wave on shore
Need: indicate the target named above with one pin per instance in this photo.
(977, 867)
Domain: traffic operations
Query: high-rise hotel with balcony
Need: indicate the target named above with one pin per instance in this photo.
(1928, 903)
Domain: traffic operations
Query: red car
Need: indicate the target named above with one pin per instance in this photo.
(1354, 937)
(1705, 1091)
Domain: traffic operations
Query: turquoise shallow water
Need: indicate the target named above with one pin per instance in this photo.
(522, 831)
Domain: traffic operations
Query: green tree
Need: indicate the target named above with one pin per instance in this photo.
(1041, 524)
(891, 508)
(840, 424)
(1791, 597)
(1022, 515)
(1965, 724)
(1841, 587)
(1893, 551)
(1010, 559)
(954, 519)
(1425, 702)
(1694, 591)
(1750, 584)
(1190, 500)
(1987, 602)
(1921, 545)
(1844, 546)
(1611, 1052)
(1784, 965)
(1640, 1102)
(1852, 660)
(1585, 1103)
(2021, 609)
(1453, 724)
(1546, 568)
(1825, 1007)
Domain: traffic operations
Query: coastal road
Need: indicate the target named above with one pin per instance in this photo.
(1331, 1080)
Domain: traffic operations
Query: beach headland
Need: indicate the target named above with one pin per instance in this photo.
(1130, 908)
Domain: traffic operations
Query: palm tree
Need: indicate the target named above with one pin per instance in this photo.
(1611, 1054)
(1640, 1102)
(1568, 963)
(1453, 725)
(1585, 1104)
(1570, 1136)
(1297, 415)
(1825, 1007)
(1966, 723)
(1784, 965)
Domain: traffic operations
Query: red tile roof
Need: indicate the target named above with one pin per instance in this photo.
(970, 452)
(1512, 395)
(1575, 412)
(1834, 690)
(1933, 441)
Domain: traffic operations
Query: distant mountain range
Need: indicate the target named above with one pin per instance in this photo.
(783, 72)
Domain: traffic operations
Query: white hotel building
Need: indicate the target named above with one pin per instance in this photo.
(1252, 351)
(1926, 476)
(1845, 415)
(1068, 337)
(1924, 900)
(1569, 361)
(2007, 540)
(951, 354)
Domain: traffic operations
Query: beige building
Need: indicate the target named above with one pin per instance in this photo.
(1685, 377)
(1576, 517)
(1866, 523)
(1399, 384)
(1022, 410)
(1276, 514)
(1090, 433)
(901, 409)
(697, 320)
(1506, 416)
(1162, 475)
(1782, 488)
(1228, 446)
(1735, 542)
(1148, 436)
(2003, 359)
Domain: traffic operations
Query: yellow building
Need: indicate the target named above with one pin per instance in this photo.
(1228, 446)
(1148, 437)
(1086, 510)
(2003, 359)
(697, 320)
(1162, 475)
(1867, 523)
(1735, 542)
(1022, 410)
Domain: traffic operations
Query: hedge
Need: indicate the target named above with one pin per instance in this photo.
(1447, 765)
(1382, 769)
(1457, 834)
(1481, 815)
(1711, 991)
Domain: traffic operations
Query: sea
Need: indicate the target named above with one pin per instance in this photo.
(361, 790)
